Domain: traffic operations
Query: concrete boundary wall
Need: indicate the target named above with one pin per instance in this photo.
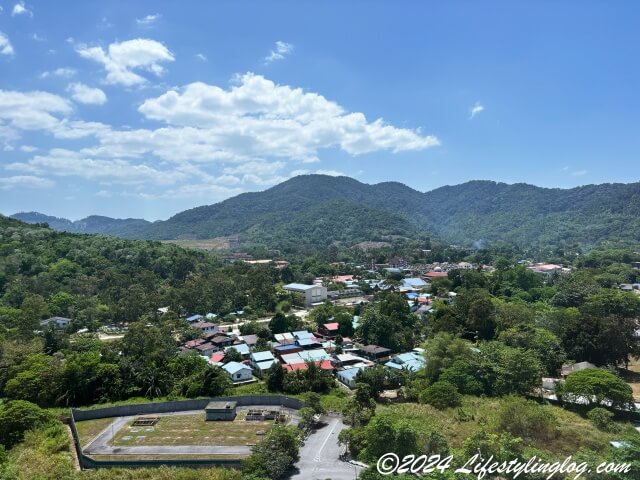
(77, 415)
(183, 405)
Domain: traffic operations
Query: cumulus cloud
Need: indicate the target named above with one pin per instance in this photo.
(121, 59)
(212, 141)
(21, 9)
(475, 110)
(64, 163)
(84, 94)
(32, 110)
(62, 72)
(5, 45)
(279, 52)
(256, 116)
(25, 181)
(149, 20)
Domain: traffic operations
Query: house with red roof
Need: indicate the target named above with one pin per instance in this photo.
(329, 330)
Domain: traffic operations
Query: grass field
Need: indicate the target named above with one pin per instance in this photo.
(89, 429)
(573, 431)
(192, 429)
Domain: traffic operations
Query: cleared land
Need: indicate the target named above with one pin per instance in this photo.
(192, 429)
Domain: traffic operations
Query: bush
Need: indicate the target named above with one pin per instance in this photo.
(18, 417)
(441, 395)
(526, 419)
(602, 419)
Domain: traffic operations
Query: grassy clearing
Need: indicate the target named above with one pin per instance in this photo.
(89, 429)
(573, 431)
(192, 429)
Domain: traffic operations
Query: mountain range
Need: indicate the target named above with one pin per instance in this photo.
(320, 210)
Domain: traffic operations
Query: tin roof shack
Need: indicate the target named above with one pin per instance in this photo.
(220, 411)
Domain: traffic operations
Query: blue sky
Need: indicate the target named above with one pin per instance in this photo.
(144, 109)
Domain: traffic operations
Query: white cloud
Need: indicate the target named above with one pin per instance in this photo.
(149, 20)
(201, 56)
(475, 110)
(28, 148)
(62, 72)
(24, 181)
(84, 94)
(122, 58)
(65, 163)
(214, 142)
(257, 117)
(5, 45)
(280, 51)
(331, 173)
(37, 38)
(579, 173)
(32, 110)
(21, 9)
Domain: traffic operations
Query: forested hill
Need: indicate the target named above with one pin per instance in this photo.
(321, 210)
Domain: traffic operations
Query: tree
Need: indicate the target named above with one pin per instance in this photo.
(442, 351)
(441, 395)
(594, 386)
(275, 377)
(232, 355)
(17, 417)
(275, 454)
(542, 343)
(33, 309)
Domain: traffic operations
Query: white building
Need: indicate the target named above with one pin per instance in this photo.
(238, 372)
(312, 293)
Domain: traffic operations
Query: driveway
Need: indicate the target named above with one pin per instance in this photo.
(320, 455)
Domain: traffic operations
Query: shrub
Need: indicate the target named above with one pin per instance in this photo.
(526, 419)
(602, 419)
(441, 395)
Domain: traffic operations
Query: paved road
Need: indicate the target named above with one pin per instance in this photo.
(319, 456)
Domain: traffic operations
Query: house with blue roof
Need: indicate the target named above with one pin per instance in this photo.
(411, 361)
(348, 377)
(194, 318)
(238, 372)
(414, 283)
(241, 348)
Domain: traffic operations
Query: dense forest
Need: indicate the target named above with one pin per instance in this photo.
(344, 211)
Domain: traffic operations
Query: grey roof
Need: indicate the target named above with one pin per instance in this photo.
(221, 405)
(298, 286)
(262, 356)
(234, 367)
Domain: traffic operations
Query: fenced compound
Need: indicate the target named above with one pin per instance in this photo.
(278, 402)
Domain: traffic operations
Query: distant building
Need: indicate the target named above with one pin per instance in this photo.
(57, 322)
(376, 353)
(205, 327)
(412, 361)
(312, 293)
(576, 367)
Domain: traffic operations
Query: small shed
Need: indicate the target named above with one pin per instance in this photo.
(220, 411)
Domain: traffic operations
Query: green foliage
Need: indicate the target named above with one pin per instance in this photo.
(594, 386)
(19, 416)
(441, 395)
(275, 454)
(388, 323)
(525, 418)
(602, 419)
